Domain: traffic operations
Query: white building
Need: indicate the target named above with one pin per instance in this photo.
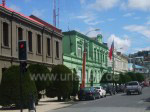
(120, 63)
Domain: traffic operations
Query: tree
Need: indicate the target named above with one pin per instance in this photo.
(41, 75)
(132, 75)
(10, 88)
(62, 85)
(75, 85)
(127, 78)
(124, 78)
(140, 77)
(107, 78)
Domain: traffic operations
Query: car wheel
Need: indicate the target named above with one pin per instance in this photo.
(93, 97)
(128, 93)
(80, 99)
(139, 92)
(99, 96)
(110, 93)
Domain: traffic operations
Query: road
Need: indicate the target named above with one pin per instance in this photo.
(116, 103)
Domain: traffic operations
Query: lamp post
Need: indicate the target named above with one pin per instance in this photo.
(84, 60)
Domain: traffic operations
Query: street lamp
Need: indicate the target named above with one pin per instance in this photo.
(97, 29)
(84, 60)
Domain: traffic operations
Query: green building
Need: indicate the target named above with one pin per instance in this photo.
(96, 57)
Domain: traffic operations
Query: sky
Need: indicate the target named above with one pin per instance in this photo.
(127, 22)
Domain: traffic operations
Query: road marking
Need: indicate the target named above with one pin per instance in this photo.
(140, 102)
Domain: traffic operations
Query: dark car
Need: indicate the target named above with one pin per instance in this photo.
(88, 93)
(110, 89)
(120, 88)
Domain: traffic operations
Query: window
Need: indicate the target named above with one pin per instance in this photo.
(20, 34)
(79, 52)
(39, 44)
(57, 49)
(98, 56)
(95, 54)
(5, 34)
(48, 47)
(30, 40)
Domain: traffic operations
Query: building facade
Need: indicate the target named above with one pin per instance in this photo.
(96, 56)
(120, 63)
(44, 42)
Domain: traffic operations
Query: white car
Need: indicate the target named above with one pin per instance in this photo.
(101, 91)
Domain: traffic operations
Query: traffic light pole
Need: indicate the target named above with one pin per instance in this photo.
(21, 99)
(22, 55)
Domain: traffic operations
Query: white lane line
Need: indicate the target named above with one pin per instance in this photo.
(140, 102)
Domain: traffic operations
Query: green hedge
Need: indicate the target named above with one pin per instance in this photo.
(42, 73)
(10, 87)
(60, 87)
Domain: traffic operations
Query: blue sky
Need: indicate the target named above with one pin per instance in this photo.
(127, 21)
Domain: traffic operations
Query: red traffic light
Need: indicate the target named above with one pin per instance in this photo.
(22, 45)
(22, 54)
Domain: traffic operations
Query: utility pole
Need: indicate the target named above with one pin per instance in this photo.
(56, 13)
(84, 60)
(113, 63)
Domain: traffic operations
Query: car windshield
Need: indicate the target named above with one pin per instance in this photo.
(87, 89)
(97, 87)
(132, 83)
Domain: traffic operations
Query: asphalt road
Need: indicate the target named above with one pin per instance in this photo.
(116, 103)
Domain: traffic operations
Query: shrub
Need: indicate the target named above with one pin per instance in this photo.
(61, 86)
(140, 77)
(106, 78)
(124, 78)
(10, 88)
(41, 74)
(75, 85)
(132, 75)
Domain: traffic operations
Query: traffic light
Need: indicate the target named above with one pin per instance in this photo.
(22, 53)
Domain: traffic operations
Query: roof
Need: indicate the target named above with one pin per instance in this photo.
(33, 19)
(84, 37)
(45, 23)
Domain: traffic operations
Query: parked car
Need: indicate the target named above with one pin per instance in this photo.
(88, 93)
(109, 88)
(145, 83)
(101, 91)
(120, 88)
(133, 87)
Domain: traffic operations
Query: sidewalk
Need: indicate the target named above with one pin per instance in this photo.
(46, 104)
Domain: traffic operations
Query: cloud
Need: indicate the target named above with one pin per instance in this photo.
(121, 44)
(82, 1)
(103, 4)
(38, 13)
(16, 8)
(140, 29)
(142, 49)
(143, 5)
(128, 14)
(89, 18)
